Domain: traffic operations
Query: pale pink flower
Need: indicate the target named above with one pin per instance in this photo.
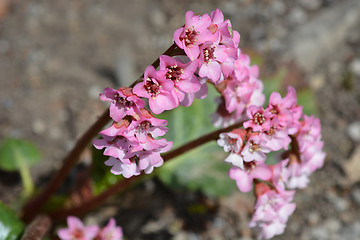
(77, 231)
(244, 177)
(232, 142)
(147, 160)
(276, 137)
(272, 210)
(212, 55)
(193, 33)
(201, 94)
(280, 174)
(182, 74)
(110, 232)
(298, 178)
(118, 167)
(123, 102)
(254, 149)
(259, 119)
(158, 89)
(147, 124)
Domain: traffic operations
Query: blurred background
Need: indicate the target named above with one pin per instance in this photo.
(57, 56)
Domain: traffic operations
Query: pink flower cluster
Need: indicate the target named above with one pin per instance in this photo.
(280, 124)
(211, 55)
(210, 42)
(131, 141)
(77, 231)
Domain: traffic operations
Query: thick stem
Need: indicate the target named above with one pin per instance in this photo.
(35, 204)
(121, 185)
(37, 228)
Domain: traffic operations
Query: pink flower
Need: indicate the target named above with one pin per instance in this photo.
(298, 178)
(280, 174)
(259, 119)
(254, 149)
(193, 33)
(201, 94)
(233, 142)
(158, 89)
(219, 25)
(123, 102)
(77, 231)
(285, 110)
(147, 124)
(244, 177)
(110, 231)
(272, 211)
(276, 137)
(211, 56)
(182, 75)
(127, 169)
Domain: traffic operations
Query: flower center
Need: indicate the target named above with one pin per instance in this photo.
(275, 109)
(152, 87)
(209, 54)
(78, 234)
(259, 118)
(174, 73)
(254, 147)
(190, 36)
(271, 131)
(122, 101)
(249, 166)
(143, 127)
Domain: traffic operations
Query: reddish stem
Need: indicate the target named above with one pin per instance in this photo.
(121, 185)
(34, 205)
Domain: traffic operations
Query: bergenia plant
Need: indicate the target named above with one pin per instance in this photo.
(204, 54)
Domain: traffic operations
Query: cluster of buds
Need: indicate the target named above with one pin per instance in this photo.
(280, 125)
(77, 231)
(210, 54)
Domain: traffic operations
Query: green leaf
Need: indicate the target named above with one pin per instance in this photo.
(202, 168)
(307, 99)
(10, 226)
(101, 176)
(15, 153)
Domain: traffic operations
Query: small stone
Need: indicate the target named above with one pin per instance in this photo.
(158, 18)
(4, 46)
(319, 233)
(341, 204)
(94, 92)
(297, 16)
(356, 196)
(332, 225)
(313, 218)
(55, 133)
(38, 127)
(277, 7)
(317, 81)
(355, 66)
(353, 131)
(310, 4)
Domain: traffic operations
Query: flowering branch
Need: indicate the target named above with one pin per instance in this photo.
(34, 205)
(123, 184)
